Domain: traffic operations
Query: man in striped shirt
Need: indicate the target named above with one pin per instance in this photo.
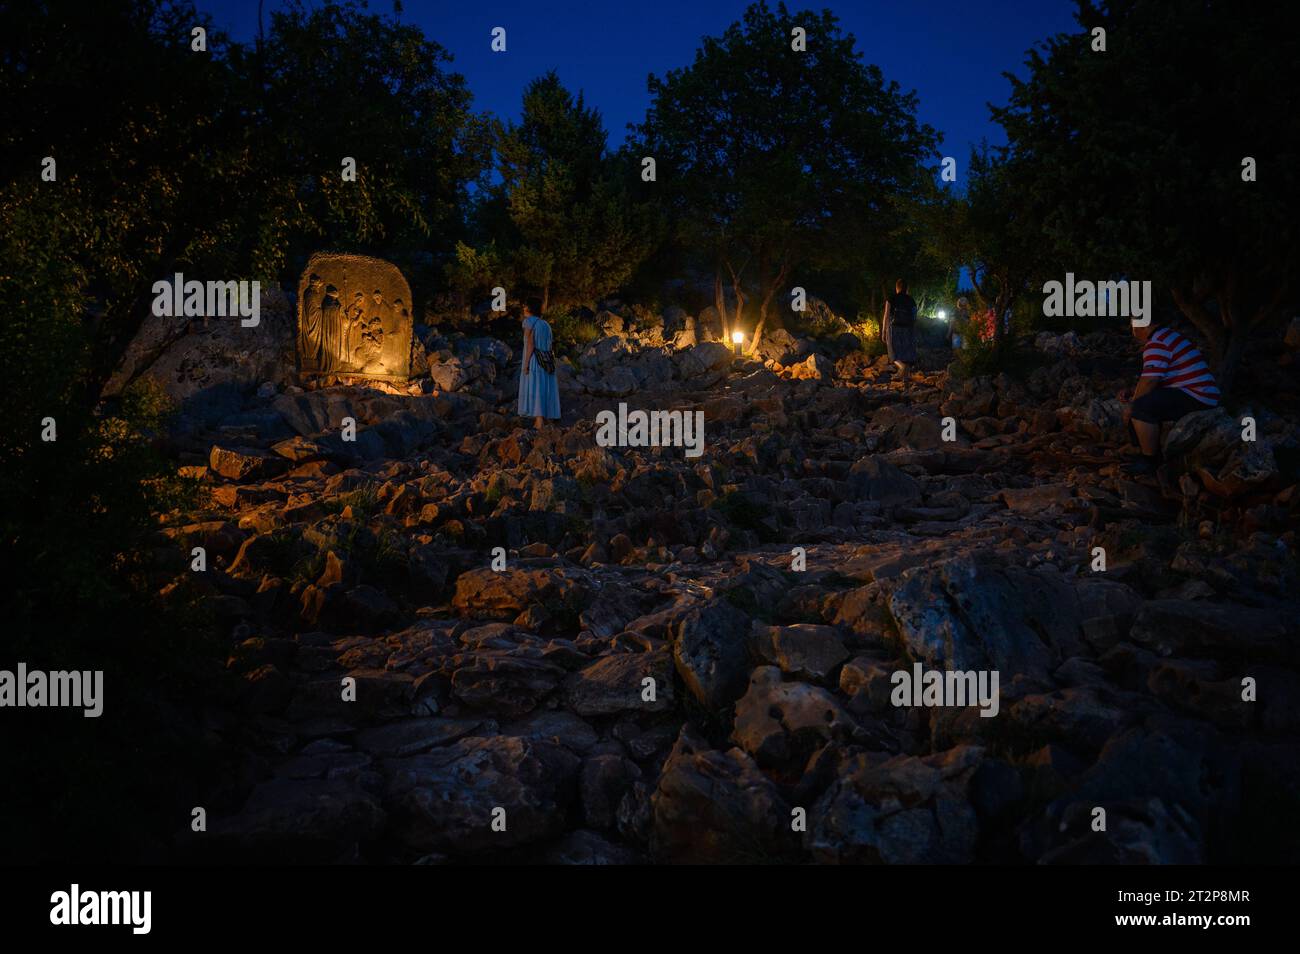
(1175, 382)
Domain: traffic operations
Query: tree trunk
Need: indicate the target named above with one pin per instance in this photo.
(769, 292)
(763, 306)
(720, 299)
(1001, 306)
(1224, 344)
(546, 297)
(1229, 363)
(738, 289)
(1210, 326)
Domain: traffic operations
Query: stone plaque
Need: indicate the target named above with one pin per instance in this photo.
(354, 318)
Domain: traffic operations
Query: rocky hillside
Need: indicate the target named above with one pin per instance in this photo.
(691, 660)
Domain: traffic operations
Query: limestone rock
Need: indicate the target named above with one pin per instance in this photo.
(615, 684)
(444, 800)
(717, 807)
(711, 652)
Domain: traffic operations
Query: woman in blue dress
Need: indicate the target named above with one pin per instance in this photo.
(539, 391)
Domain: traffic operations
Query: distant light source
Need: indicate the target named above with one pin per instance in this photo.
(737, 338)
(943, 315)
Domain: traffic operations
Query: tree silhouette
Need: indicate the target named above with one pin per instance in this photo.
(772, 159)
(1133, 157)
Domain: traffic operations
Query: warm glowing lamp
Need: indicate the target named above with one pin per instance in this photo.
(737, 338)
(943, 315)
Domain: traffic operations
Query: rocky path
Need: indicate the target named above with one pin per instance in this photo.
(679, 659)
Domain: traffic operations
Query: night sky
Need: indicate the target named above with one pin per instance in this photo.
(953, 53)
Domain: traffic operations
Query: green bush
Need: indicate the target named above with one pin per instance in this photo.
(571, 333)
(867, 330)
(364, 501)
(975, 358)
(80, 557)
(819, 324)
(978, 358)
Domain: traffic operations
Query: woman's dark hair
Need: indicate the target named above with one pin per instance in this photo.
(534, 305)
(901, 285)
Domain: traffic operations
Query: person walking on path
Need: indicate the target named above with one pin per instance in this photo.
(539, 390)
(899, 326)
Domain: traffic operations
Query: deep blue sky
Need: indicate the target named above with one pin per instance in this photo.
(952, 52)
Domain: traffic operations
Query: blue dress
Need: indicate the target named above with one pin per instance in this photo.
(539, 392)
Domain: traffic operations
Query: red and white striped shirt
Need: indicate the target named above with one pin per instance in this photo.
(1176, 363)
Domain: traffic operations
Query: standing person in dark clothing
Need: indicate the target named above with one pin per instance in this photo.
(899, 329)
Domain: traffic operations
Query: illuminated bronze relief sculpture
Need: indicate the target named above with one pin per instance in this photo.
(354, 318)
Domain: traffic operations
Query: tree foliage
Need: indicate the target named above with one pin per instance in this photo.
(228, 163)
(988, 227)
(222, 164)
(335, 80)
(562, 218)
(1132, 158)
(775, 160)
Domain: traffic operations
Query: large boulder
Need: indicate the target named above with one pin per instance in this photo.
(805, 650)
(1174, 627)
(245, 463)
(1206, 437)
(504, 683)
(712, 653)
(603, 352)
(302, 820)
(901, 810)
(714, 807)
(485, 593)
(207, 365)
(616, 382)
(960, 614)
(782, 723)
(709, 325)
(1209, 444)
(491, 349)
(1152, 783)
(616, 684)
(782, 347)
(873, 478)
(445, 800)
(705, 364)
(449, 373)
(817, 317)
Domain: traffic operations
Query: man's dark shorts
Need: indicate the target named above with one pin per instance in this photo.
(1165, 404)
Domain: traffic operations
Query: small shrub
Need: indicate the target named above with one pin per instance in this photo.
(975, 358)
(364, 501)
(570, 332)
(867, 330)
